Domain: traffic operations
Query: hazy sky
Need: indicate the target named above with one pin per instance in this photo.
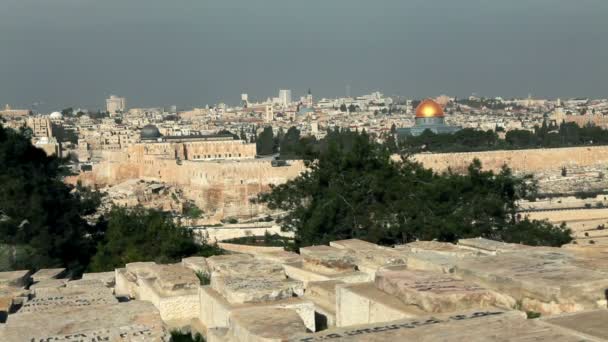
(193, 52)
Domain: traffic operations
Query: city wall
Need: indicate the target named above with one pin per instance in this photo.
(225, 188)
(527, 161)
(221, 188)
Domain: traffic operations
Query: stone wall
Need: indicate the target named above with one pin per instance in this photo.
(528, 161)
(221, 188)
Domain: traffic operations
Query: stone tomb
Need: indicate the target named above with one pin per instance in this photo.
(364, 303)
(476, 326)
(133, 321)
(544, 282)
(216, 310)
(436, 292)
(48, 273)
(259, 324)
(590, 324)
(322, 263)
(107, 278)
(248, 280)
(52, 299)
(242, 281)
(173, 289)
(369, 257)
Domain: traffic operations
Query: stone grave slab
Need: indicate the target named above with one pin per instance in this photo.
(279, 257)
(370, 257)
(265, 324)
(238, 290)
(491, 247)
(15, 278)
(48, 273)
(476, 326)
(215, 309)
(133, 321)
(53, 299)
(555, 284)
(48, 283)
(439, 248)
(330, 259)
(306, 274)
(590, 324)
(436, 292)
(363, 303)
(107, 278)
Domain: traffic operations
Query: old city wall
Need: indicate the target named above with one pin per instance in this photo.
(528, 161)
(224, 188)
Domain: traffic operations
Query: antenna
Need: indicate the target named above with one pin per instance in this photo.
(348, 90)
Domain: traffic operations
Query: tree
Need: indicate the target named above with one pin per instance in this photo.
(40, 215)
(142, 234)
(343, 108)
(265, 142)
(290, 143)
(355, 190)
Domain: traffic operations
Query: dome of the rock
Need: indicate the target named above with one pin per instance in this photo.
(429, 109)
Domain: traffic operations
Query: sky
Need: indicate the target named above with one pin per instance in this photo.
(62, 53)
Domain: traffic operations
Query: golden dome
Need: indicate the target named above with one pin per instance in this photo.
(429, 109)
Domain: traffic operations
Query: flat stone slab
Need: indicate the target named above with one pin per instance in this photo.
(108, 278)
(174, 278)
(265, 324)
(14, 278)
(363, 303)
(490, 246)
(435, 292)
(133, 321)
(370, 257)
(476, 326)
(60, 298)
(326, 257)
(238, 290)
(547, 277)
(48, 283)
(590, 323)
(87, 283)
(280, 257)
(242, 267)
(48, 273)
(440, 248)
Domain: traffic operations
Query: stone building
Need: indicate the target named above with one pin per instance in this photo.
(41, 127)
(194, 147)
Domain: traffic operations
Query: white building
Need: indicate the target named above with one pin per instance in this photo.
(116, 105)
(285, 97)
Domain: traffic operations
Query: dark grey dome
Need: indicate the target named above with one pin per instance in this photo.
(150, 132)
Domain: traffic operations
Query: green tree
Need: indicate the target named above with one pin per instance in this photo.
(290, 143)
(265, 142)
(40, 215)
(355, 190)
(140, 234)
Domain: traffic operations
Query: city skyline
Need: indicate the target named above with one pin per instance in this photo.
(156, 54)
